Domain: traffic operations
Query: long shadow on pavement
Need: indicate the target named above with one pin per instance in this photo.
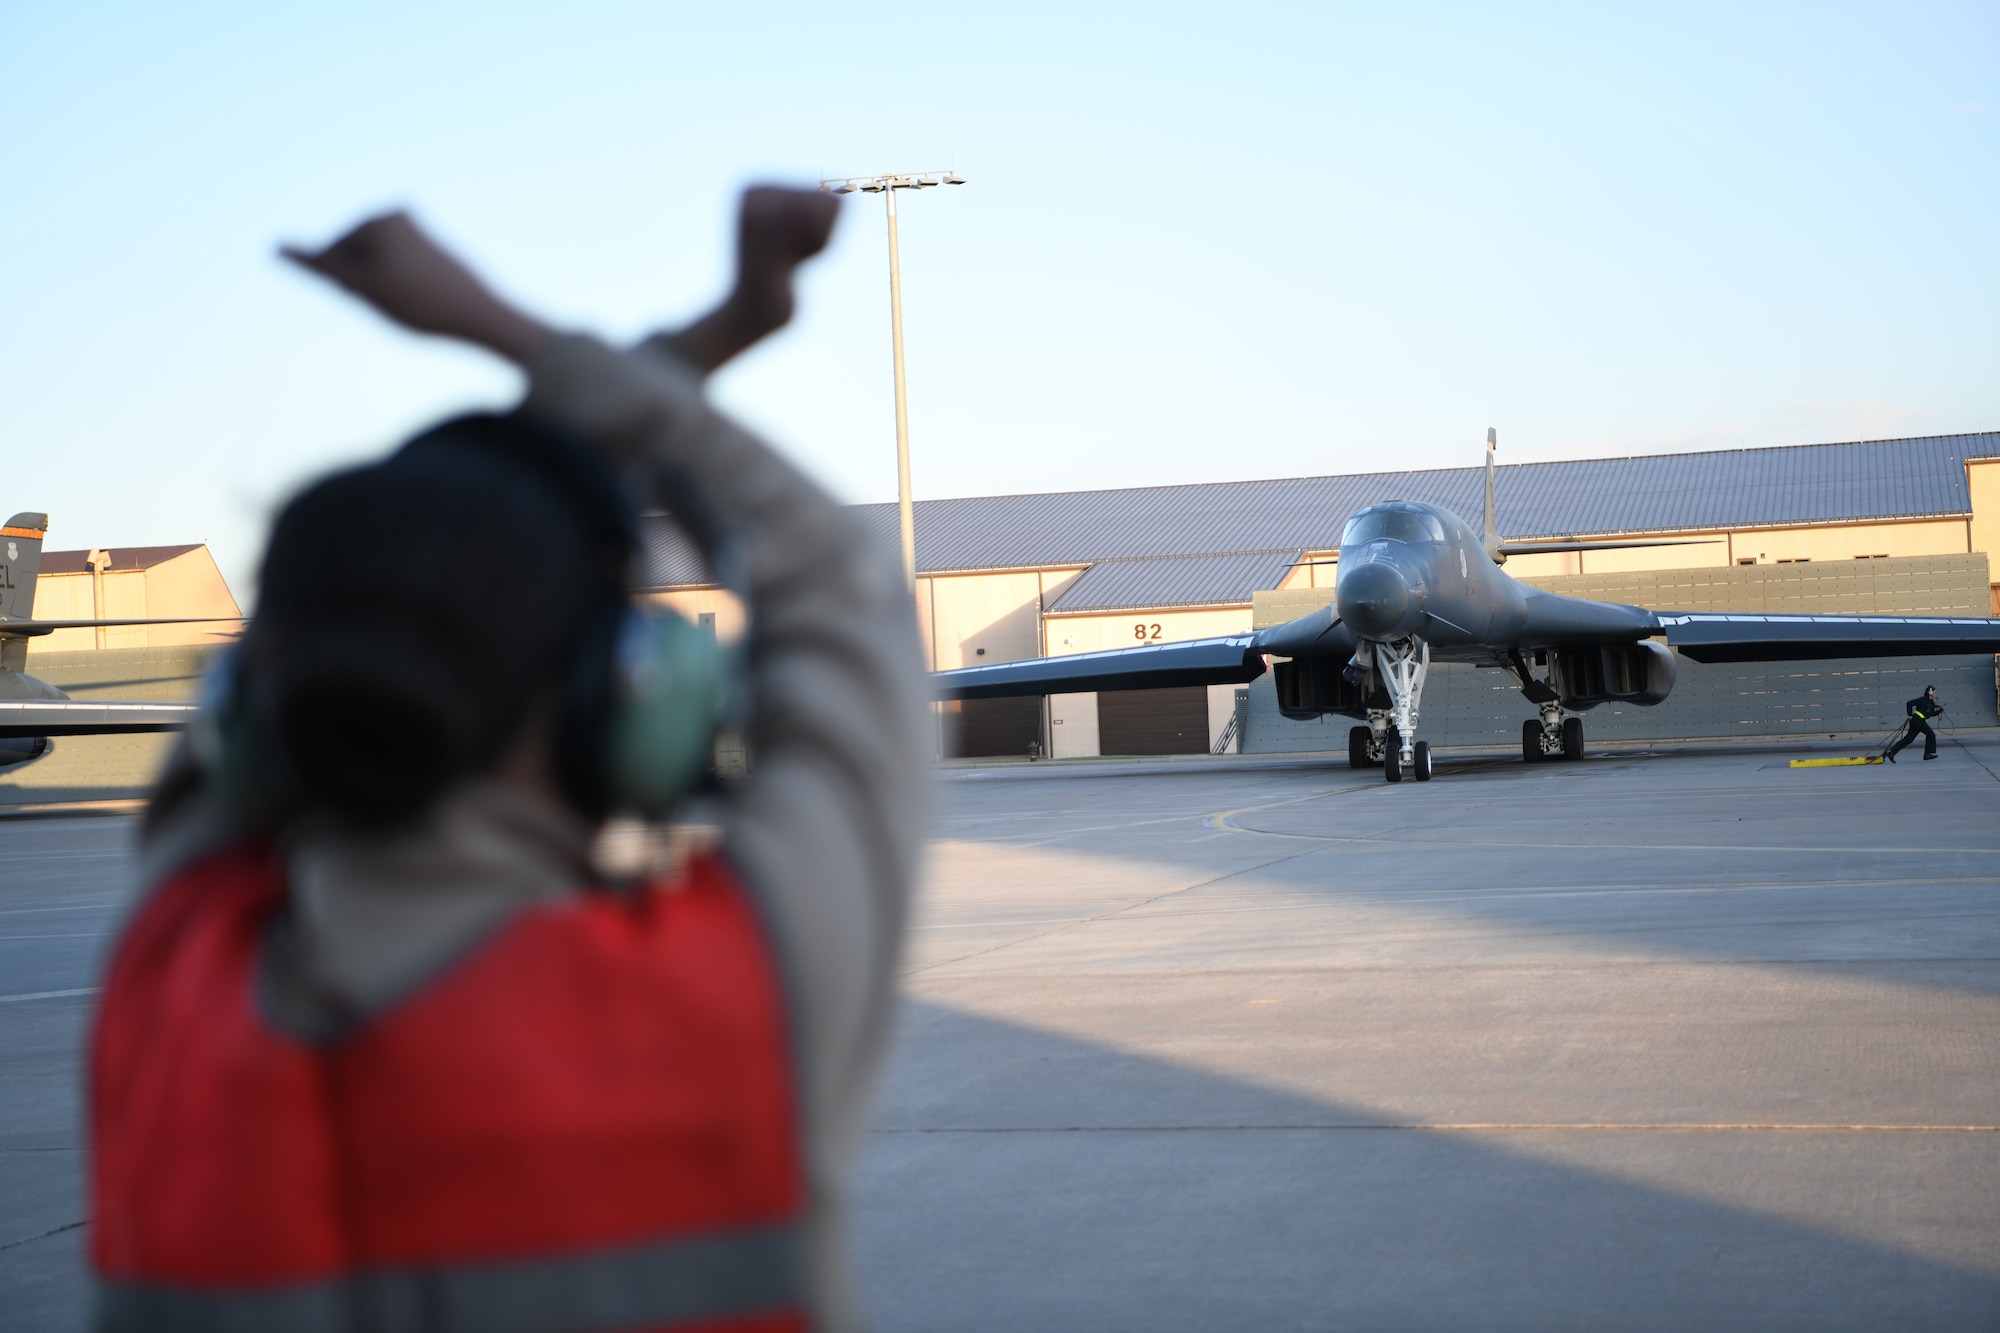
(1018, 1179)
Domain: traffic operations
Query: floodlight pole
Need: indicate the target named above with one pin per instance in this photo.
(886, 186)
(905, 509)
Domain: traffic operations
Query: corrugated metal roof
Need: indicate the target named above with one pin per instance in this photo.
(1733, 488)
(667, 558)
(1200, 580)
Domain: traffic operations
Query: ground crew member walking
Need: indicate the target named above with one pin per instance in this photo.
(1920, 711)
(379, 1048)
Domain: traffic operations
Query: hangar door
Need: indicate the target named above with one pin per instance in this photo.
(992, 728)
(1173, 721)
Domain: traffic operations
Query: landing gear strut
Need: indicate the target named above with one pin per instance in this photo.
(1403, 666)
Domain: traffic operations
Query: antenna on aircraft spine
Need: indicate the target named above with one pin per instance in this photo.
(1492, 533)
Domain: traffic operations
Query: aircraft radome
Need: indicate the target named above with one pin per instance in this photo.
(1417, 585)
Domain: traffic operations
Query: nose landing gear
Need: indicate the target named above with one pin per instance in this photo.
(1390, 735)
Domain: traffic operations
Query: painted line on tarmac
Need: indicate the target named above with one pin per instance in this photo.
(1112, 914)
(1455, 1128)
(999, 924)
(1975, 758)
(1220, 820)
(1443, 893)
(1061, 834)
(47, 995)
(52, 1231)
(1499, 893)
(1825, 848)
(36, 911)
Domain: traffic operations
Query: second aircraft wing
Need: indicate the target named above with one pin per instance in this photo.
(1720, 637)
(1239, 658)
(73, 717)
(1230, 659)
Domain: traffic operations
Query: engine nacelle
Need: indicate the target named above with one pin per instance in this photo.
(1310, 688)
(1633, 673)
(20, 749)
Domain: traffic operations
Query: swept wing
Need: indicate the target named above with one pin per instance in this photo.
(31, 627)
(1700, 636)
(1232, 658)
(1719, 637)
(71, 717)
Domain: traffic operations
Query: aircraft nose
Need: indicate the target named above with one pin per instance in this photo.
(1374, 601)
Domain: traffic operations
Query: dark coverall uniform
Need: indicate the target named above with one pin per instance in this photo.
(1921, 709)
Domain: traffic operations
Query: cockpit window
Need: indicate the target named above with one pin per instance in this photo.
(1396, 525)
(1363, 528)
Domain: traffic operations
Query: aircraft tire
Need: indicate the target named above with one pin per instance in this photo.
(1392, 755)
(1420, 767)
(1357, 748)
(1572, 738)
(1531, 742)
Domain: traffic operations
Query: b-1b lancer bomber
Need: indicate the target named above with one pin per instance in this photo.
(1415, 585)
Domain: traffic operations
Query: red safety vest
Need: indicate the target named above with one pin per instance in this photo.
(587, 1123)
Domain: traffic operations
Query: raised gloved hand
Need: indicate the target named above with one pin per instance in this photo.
(776, 231)
(393, 264)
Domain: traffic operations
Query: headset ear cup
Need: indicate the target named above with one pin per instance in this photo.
(666, 695)
(234, 748)
(218, 736)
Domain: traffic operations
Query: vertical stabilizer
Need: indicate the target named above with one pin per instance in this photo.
(1491, 531)
(20, 561)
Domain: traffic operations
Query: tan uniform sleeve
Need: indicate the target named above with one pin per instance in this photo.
(827, 827)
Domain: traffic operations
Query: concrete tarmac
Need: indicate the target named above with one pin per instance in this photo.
(1673, 1039)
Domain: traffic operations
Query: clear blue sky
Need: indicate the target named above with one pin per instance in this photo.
(1199, 242)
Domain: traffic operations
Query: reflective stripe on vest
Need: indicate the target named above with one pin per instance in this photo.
(585, 1123)
(722, 1277)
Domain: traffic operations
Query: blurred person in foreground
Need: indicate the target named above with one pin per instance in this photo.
(379, 1047)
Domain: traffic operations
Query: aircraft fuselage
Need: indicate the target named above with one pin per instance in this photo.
(1409, 569)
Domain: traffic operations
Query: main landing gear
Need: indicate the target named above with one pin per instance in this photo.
(1552, 736)
(1389, 737)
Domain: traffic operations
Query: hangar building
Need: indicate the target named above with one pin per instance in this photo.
(160, 662)
(1883, 525)
(1880, 525)
(131, 583)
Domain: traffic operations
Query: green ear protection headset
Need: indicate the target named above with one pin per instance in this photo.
(639, 730)
(668, 694)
